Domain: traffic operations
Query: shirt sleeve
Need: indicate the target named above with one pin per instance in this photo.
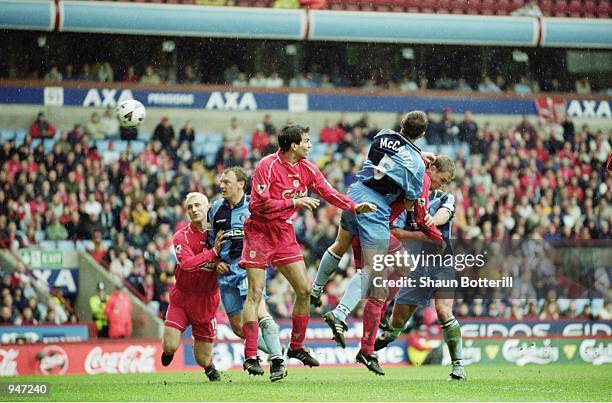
(400, 221)
(449, 204)
(321, 186)
(213, 230)
(260, 193)
(421, 209)
(188, 261)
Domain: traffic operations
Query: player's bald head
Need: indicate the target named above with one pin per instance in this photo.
(196, 196)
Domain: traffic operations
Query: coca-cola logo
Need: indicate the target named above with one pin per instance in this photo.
(132, 359)
(53, 360)
(8, 362)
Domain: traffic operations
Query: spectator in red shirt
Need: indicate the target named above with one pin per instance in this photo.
(260, 139)
(13, 166)
(119, 313)
(130, 76)
(542, 153)
(567, 152)
(331, 134)
(41, 128)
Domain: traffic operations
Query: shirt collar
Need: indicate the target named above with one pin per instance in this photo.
(195, 229)
(240, 203)
(283, 160)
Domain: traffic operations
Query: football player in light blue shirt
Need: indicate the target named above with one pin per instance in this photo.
(394, 169)
(408, 299)
(229, 214)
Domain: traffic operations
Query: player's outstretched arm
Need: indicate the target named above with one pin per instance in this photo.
(321, 186)
(189, 261)
(428, 158)
(307, 202)
(442, 216)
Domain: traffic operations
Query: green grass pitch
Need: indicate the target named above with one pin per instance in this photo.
(576, 382)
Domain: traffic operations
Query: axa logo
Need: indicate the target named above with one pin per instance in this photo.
(589, 109)
(228, 101)
(106, 97)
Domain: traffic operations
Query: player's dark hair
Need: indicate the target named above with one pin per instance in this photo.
(291, 135)
(414, 124)
(445, 164)
(241, 175)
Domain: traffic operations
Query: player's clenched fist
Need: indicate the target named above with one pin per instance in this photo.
(365, 207)
(428, 220)
(308, 202)
(222, 267)
(219, 241)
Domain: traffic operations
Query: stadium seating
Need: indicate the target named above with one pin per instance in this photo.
(470, 216)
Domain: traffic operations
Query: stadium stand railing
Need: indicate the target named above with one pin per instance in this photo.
(549, 8)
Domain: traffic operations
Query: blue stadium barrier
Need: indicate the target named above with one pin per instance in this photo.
(20, 135)
(210, 158)
(210, 151)
(138, 146)
(48, 144)
(144, 136)
(198, 148)
(81, 246)
(39, 235)
(66, 245)
(102, 146)
(120, 146)
(47, 245)
(7, 134)
(319, 148)
(216, 138)
(597, 305)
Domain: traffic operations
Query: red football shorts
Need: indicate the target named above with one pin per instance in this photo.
(269, 243)
(195, 310)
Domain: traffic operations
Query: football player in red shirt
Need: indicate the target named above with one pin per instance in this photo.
(194, 298)
(279, 188)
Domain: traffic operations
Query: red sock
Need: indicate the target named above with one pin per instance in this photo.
(383, 310)
(298, 332)
(392, 290)
(371, 320)
(251, 333)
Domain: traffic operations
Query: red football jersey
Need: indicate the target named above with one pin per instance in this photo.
(421, 209)
(276, 184)
(195, 272)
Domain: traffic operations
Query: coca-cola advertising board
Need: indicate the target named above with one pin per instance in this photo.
(109, 357)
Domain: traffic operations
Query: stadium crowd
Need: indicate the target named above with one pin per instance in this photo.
(316, 78)
(524, 181)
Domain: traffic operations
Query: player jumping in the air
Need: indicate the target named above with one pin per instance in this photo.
(437, 174)
(229, 215)
(279, 188)
(408, 299)
(194, 299)
(393, 172)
